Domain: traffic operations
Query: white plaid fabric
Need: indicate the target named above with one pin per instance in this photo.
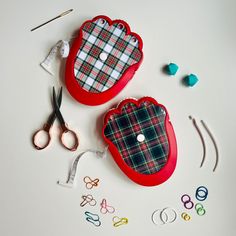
(120, 50)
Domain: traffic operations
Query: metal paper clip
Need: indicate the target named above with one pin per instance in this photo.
(119, 221)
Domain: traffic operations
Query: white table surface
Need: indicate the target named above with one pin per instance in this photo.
(199, 36)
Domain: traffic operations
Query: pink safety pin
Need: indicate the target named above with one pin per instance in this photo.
(105, 208)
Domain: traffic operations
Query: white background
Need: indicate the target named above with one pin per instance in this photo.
(199, 36)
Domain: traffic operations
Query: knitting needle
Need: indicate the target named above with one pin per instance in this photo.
(62, 14)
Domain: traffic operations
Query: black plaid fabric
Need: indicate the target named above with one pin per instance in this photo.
(95, 75)
(146, 157)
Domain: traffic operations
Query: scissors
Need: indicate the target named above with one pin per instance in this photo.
(47, 126)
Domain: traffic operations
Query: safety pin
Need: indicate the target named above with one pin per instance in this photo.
(93, 218)
(88, 199)
(119, 221)
(105, 208)
(89, 183)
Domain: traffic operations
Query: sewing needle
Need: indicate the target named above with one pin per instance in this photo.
(62, 14)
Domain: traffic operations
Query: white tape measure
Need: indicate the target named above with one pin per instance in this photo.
(63, 47)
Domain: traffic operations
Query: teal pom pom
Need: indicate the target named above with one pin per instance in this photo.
(191, 80)
(171, 69)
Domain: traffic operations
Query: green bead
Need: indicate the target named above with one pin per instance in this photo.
(171, 69)
(191, 80)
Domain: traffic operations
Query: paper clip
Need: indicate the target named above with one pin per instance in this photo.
(119, 221)
(105, 208)
(88, 199)
(93, 218)
(90, 183)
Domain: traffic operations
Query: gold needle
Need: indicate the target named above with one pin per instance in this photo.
(62, 14)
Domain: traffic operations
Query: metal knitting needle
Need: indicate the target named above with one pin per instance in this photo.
(62, 14)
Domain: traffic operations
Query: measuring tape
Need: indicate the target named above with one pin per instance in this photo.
(63, 47)
(70, 183)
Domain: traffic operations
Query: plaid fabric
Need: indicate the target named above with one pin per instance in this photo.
(145, 157)
(95, 75)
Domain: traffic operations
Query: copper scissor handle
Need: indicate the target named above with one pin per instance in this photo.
(46, 130)
(66, 130)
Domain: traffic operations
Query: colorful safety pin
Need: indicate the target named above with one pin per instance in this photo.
(93, 218)
(88, 199)
(105, 208)
(117, 221)
(89, 183)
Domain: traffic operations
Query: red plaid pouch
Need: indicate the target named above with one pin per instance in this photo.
(102, 60)
(141, 140)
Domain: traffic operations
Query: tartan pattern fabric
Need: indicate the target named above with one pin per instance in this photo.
(95, 75)
(146, 157)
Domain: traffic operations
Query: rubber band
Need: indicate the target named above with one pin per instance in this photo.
(202, 140)
(93, 218)
(73, 171)
(119, 221)
(214, 143)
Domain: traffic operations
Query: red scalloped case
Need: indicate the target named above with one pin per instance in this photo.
(141, 140)
(102, 60)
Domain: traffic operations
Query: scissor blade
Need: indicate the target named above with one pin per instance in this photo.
(57, 107)
(52, 117)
